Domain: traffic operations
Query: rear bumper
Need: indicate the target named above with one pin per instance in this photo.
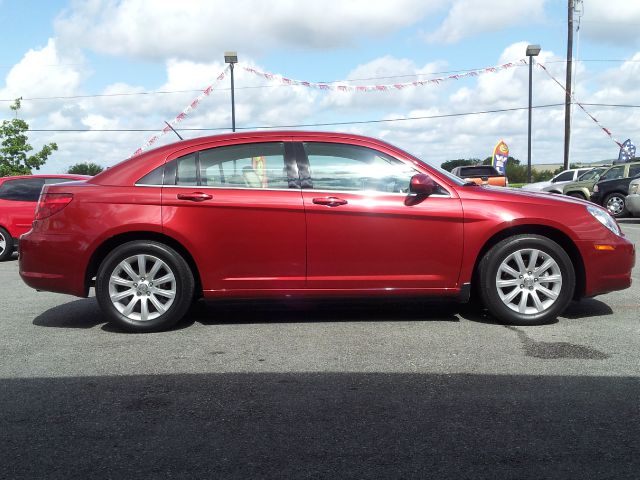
(633, 204)
(607, 270)
(52, 263)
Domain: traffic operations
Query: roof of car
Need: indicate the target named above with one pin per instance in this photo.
(122, 171)
(44, 175)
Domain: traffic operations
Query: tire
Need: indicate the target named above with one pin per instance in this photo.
(6, 244)
(505, 300)
(132, 300)
(577, 195)
(615, 204)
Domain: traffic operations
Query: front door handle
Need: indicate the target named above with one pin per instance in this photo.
(195, 196)
(330, 201)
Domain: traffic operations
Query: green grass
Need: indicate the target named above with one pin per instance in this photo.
(516, 185)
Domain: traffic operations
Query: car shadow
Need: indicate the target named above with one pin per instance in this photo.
(629, 221)
(321, 425)
(14, 256)
(588, 307)
(85, 313)
(319, 311)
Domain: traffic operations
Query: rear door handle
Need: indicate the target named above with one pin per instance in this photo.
(195, 196)
(330, 201)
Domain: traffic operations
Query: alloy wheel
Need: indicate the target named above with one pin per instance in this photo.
(529, 281)
(142, 287)
(615, 205)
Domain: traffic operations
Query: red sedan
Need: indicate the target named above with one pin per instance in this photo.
(304, 213)
(18, 199)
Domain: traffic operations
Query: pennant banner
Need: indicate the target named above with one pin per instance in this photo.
(573, 99)
(337, 87)
(183, 114)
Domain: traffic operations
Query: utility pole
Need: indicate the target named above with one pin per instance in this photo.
(232, 58)
(567, 100)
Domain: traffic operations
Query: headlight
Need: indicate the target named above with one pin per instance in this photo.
(604, 218)
(595, 188)
(634, 188)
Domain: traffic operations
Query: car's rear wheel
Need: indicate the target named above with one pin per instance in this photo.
(6, 244)
(526, 280)
(577, 195)
(144, 286)
(615, 204)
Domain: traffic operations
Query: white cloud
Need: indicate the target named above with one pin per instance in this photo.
(468, 18)
(613, 21)
(44, 72)
(196, 29)
(260, 103)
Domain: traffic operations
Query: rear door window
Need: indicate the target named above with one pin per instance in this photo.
(634, 170)
(23, 189)
(613, 172)
(255, 165)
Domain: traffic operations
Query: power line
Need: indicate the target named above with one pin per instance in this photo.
(621, 105)
(354, 122)
(302, 125)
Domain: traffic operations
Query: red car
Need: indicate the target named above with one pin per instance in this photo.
(18, 200)
(312, 214)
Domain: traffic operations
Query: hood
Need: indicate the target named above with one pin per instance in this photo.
(536, 185)
(520, 195)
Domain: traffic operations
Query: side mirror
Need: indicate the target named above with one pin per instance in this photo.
(422, 184)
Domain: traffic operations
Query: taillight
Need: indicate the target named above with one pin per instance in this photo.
(51, 203)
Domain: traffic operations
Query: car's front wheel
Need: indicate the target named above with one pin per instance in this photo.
(144, 286)
(615, 204)
(526, 280)
(6, 244)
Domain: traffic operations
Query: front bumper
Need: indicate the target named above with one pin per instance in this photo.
(607, 270)
(632, 203)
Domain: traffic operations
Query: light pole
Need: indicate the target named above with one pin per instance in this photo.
(232, 58)
(532, 51)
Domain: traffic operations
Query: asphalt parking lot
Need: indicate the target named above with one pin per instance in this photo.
(375, 389)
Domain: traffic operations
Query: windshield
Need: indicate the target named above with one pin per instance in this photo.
(591, 174)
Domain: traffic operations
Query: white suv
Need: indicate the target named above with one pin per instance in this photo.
(556, 183)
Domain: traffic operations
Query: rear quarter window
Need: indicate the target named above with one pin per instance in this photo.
(23, 190)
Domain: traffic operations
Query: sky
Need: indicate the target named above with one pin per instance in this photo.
(100, 77)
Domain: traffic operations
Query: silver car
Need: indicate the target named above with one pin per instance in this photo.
(632, 201)
(558, 181)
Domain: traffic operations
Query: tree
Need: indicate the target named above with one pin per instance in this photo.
(460, 162)
(86, 168)
(14, 147)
